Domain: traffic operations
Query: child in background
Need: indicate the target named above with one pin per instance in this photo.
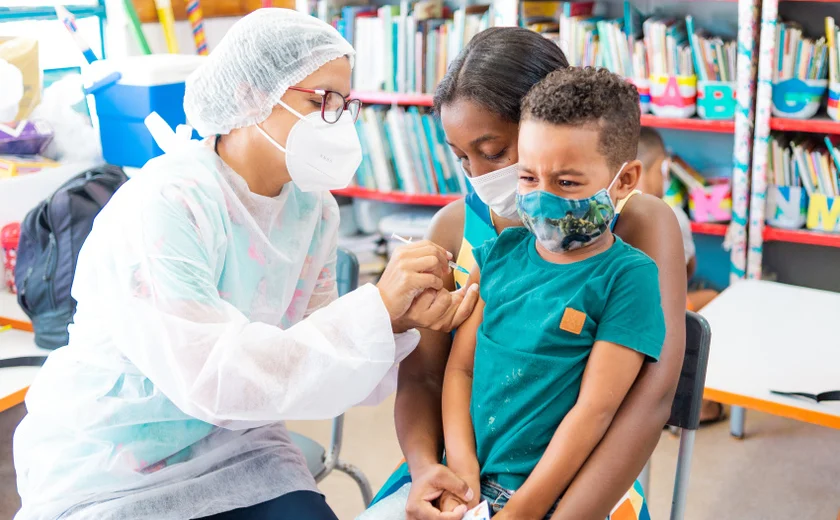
(568, 311)
(655, 163)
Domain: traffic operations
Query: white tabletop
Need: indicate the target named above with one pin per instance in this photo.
(9, 307)
(767, 335)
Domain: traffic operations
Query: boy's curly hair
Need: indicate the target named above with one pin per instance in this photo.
(590, 97)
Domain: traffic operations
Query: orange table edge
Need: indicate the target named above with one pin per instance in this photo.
(15, 324)
(18, 397)
(773, 408)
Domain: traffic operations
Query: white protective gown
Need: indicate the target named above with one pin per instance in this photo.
(206, 316)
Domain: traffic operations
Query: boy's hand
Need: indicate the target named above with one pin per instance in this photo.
(450, 503)
(428, 486)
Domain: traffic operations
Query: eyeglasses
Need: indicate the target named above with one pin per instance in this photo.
(333, 104)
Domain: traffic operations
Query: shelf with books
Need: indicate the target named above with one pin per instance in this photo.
(426, 100)
(801, 236)
(393, 98)
(397, 197)
(813, 126)
(709, 228)
(694, 124)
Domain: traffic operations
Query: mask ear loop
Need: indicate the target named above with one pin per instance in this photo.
(290, 109)
(271, 139)
(617, 175)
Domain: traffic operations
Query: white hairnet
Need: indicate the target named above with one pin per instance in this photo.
(261, 56)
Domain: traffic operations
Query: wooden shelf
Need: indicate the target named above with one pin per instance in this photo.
(426, 100)
(703, 228)
(821, 125)
(801, 236)
(397, 197)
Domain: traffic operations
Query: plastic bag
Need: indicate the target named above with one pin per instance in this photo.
(11, 91)
(75, 139)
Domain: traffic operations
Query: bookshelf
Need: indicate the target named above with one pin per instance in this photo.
(788, 259)
(748, 132)
(822, 125)
(711, 229)
(394, 98)
(801, 236)
(397, 197)
(426, 100)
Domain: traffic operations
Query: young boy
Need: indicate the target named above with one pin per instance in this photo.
(568, 311)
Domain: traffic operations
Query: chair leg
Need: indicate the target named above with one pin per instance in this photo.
(644, 478)
(360, 478)
(683, 472)
(737, 419)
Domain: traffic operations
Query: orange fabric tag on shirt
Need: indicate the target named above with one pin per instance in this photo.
(573, 321)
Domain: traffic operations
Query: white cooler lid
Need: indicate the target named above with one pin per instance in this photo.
(146, 71)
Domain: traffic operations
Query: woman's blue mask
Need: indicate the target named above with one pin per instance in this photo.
(562, 224)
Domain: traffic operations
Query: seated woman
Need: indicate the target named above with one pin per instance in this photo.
(479, 103)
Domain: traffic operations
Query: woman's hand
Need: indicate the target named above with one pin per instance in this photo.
(413, 268)
(440, 310)
(428, 485)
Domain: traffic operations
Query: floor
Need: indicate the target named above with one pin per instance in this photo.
(784, 469)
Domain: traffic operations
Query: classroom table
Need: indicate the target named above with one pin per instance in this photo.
(771, 336)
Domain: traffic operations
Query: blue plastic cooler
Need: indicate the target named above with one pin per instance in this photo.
(148, 84)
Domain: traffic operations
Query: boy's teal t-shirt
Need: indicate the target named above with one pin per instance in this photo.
(540, 323)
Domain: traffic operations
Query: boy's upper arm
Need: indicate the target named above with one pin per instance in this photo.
(462, 355)
(609, 374)
(633, 315)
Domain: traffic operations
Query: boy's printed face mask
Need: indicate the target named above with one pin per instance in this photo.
(562, 224)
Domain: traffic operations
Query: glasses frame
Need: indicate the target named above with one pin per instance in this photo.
(324, 93)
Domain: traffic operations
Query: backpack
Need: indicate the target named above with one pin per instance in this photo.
(51, 236)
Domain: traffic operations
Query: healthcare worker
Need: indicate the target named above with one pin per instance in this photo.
(207, 310)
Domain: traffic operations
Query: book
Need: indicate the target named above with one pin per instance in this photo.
(376, 146)
(401, 151)
(799, 57)
(804, 162)
(403, 51)
(687, 175)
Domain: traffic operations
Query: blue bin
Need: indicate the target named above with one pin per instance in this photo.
(149, 84)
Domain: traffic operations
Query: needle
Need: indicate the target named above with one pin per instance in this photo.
(452, 264)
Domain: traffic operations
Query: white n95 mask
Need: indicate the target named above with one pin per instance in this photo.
(497, 189)
(320, 156)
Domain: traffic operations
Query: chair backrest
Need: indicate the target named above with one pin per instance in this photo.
(685, 411)
(346, 271)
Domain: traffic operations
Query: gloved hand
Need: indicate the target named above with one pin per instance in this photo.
(413, 268)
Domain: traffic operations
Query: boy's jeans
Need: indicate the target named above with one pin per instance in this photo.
(497, 497)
